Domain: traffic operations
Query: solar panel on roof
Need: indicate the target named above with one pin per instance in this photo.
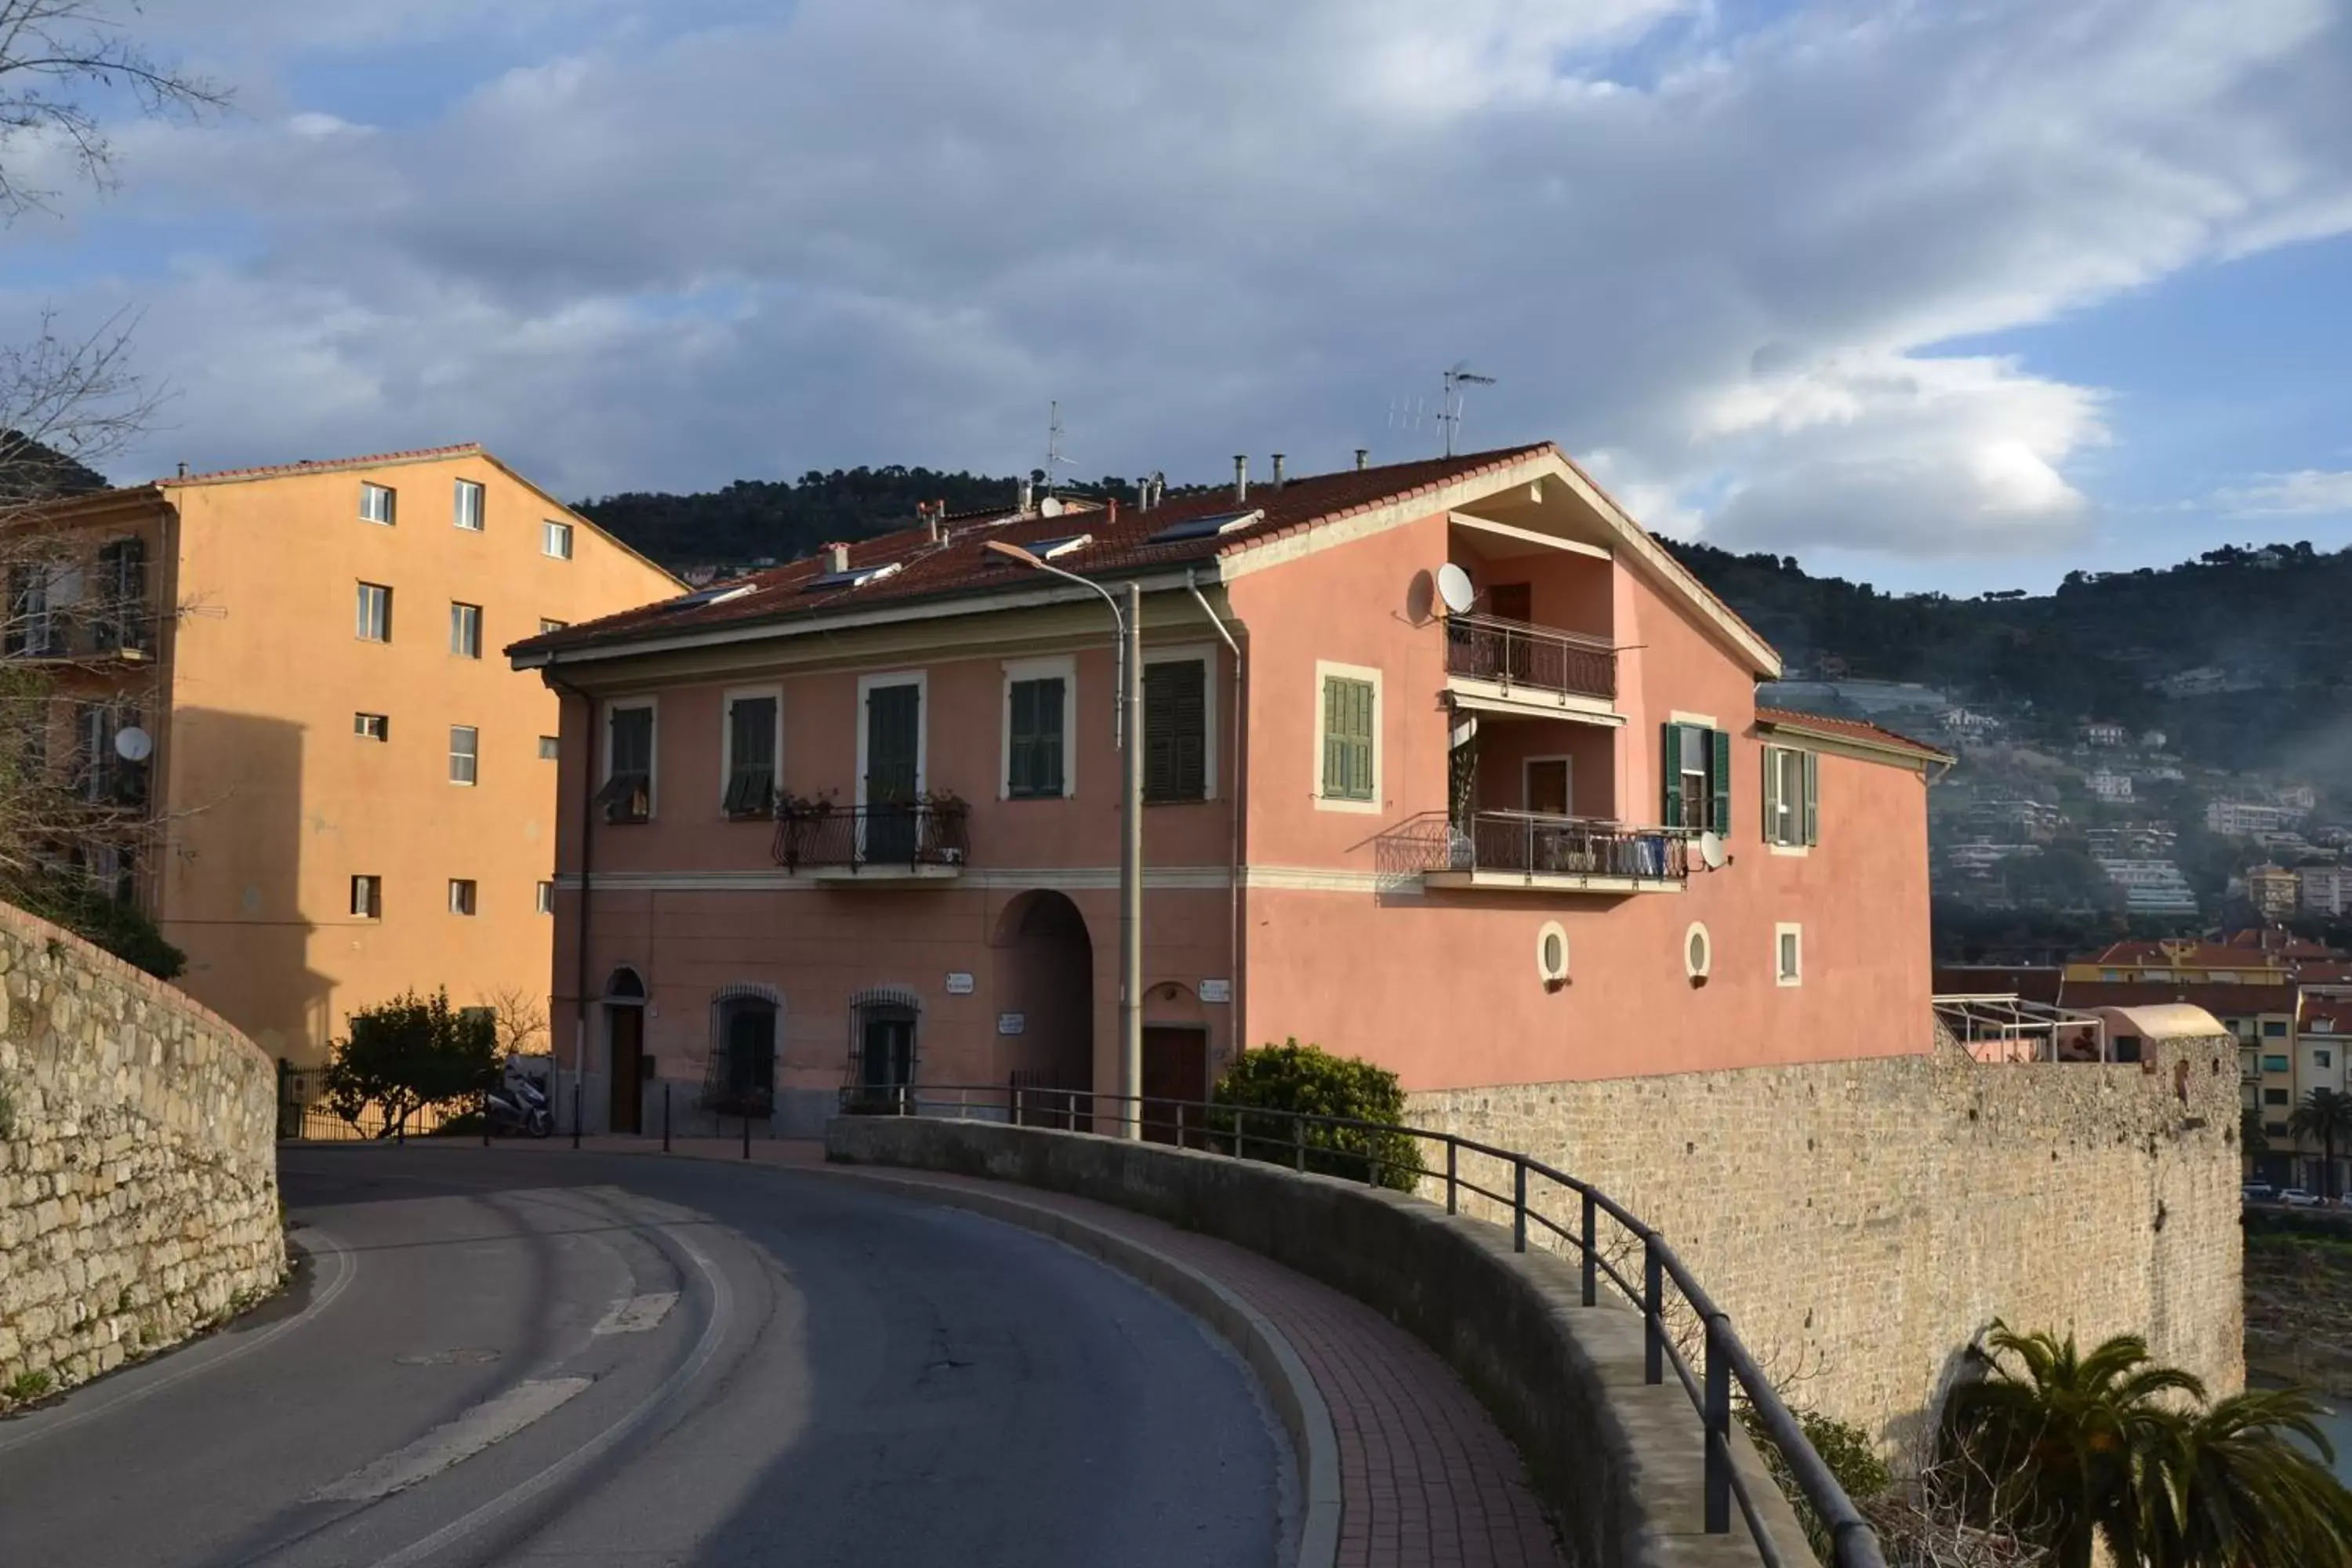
(1047, 549)
(1204, 527)
(716, 596)
(856, 577)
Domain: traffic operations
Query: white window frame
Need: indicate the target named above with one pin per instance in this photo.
(727, 735)
(376, 896)
(1063, 667)
(465, 890)
(458, 491)
(551, 529)
(1329, 669)
(921, 679)
(382, 731)
(359, 597)
(1705, 965)
(1205, 655)
(653, 747)
(1783, 932)
(1798, 847)
(550, 748)
(546, 896)
(457, 607)
(369, 489)
(1526, 779)
(474, 756)
(1544, 971)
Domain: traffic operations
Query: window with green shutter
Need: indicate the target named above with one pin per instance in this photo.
(1175, 730)
(1347, 719)
(1034, 764)
(1695, 778)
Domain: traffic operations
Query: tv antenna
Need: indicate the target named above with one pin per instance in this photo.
(1054, 457)
(1449, 411)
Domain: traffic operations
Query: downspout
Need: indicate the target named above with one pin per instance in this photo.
(587, 845)
(1234, 884)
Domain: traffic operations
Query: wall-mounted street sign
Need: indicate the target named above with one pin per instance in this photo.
(959, 983)
(1010, 1022)
(1216, 990)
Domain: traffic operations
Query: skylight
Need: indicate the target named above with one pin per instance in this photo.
(1048, 549)
(857, 577)
(1205, 527)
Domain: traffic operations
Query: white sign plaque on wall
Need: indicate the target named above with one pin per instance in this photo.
(959, 983)
(1216, 990)
(1010, 1022)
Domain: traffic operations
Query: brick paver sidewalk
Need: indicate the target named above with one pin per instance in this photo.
(1426, 1478)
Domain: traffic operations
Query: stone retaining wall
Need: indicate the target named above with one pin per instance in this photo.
(137, 1161)
(1864, 1221)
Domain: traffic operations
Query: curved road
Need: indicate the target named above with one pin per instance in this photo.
(505, 1356)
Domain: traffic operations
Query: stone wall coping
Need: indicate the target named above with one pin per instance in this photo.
(107, 966)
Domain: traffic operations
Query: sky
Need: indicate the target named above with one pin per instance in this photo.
(1940, 294)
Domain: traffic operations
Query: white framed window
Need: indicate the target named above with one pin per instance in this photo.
(549, 748)
(367, 897)
(750, 752)
(375, 622)
(1034, 760)
(1789, 953)
(1791, 797)
(377, 503)
(1698, 952)
(547, 898)
(1552, 954)
(632, 744)
(465, 630)
(555, 539)
(461, 895)
(1179, 724)
(1347, 737)
(466, 507)
(371, 726)
(465, 753)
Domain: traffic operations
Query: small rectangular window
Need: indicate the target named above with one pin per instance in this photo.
(2323, 1058)
(466, 509)
(1791, 787)
(546, 625)
(555, 539)
(465, 630)
(2274, 1028)
(1788, 944)
(371, 726)
(377, 503)
(2275, 1097)
(549, 748)
(367, 897)
(628, 792)
(1033, 769)
(2276, 1064)
(465, 753)
(374, 613)
(461, 895)
(1347, 721)
(547, 898)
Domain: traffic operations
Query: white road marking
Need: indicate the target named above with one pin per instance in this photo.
(636, 1315)
(492, 1421)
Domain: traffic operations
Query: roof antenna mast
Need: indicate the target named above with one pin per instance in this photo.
(1054, 457)
(1449, 408)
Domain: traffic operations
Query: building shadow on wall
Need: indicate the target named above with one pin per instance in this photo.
(230, 880)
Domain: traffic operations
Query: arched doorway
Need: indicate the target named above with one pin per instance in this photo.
(626, 1062)
(1045, 971)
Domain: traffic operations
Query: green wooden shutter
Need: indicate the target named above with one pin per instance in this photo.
(1670, 808)
(1772, 766)
(1189, 693)
(1175, 732)
(1347, 720)
(1813, 797)
(1046, 717)
(1335, 743)
(1158, 733)
(1719, 778)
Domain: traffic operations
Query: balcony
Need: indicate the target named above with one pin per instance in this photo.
(918, 841)
(1529, 851)
(1518, 658)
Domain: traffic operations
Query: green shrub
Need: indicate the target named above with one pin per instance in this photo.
(1311, 1081)
(105, 922)
(410, 1053)
(25, 1386)
(1844, 1448)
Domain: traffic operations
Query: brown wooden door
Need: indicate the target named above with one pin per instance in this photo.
(1548, 785)
(1175, 1067)
(627, 1026)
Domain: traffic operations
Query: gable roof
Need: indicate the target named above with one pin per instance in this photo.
(1125, 543)
(331, 465)
(1853, 731)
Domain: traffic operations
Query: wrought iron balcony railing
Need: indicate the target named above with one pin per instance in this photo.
(1531, 843)
(911, 834)
(1515, 653)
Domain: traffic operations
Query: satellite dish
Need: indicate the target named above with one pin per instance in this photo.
(133, 744)
(1050, 507)
(1454, 587)
(1710, 850)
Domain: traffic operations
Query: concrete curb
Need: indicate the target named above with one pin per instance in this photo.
(1271, 1355)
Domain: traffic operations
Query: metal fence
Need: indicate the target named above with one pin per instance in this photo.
(915, 833)
(1515, 653)
(1530, 1199)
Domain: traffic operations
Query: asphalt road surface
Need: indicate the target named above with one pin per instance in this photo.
(544, 1357)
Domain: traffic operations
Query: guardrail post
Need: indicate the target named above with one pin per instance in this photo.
(1453, 1148)
(486, 1119)
(1181, 1141)
(747, 1138)
(1239, 1120)
(1654, 1310)
(1519, 1205)
(1719, 1429)
(665, 1117)
(575, 1114)
(1297, 1145)
(1591, 1262)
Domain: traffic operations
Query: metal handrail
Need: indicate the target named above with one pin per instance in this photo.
(1520, 653)
(1540, 844)
(908, 833)
(1223, 1129)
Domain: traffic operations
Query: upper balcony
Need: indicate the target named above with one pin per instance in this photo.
(1519, 656)
(1537, 632)
(1536, 852)
(900, 842)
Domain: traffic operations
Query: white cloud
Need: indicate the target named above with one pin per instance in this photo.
(2308, 492)
(655, 245)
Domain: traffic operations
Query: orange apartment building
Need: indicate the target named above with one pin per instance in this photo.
(854, 820)
(343, 791)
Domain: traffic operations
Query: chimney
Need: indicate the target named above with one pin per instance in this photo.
(1363, 457)
(836, 558)
(1155, 489)
(1028, 498)
(184, 470)
(1114, 510)
(1241, 476)
(1278, 470)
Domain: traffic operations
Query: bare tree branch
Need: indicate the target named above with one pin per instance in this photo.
(59, 61)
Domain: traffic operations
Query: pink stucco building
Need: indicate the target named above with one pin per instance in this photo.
(856, 819)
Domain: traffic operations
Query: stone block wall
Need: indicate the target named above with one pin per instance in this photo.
(1863, 1222)
(137, 1161)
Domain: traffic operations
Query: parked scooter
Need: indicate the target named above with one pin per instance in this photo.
(519, 1110)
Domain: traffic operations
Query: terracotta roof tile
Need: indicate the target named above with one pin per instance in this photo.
(327, 465)
(2222, 1001)
(1854, 728)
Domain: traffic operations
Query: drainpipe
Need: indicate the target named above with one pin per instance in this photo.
(1235, 884)
(587, 844)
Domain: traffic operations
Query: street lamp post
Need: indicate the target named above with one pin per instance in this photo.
(1126, 721)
